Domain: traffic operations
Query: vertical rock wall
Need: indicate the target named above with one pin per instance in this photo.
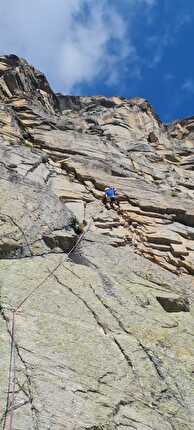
(103, 338)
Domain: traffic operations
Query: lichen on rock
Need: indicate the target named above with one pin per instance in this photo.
(104, 335)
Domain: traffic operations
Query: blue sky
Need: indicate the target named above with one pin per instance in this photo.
(112, 47)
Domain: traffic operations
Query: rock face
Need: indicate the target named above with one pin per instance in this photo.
(103, 338)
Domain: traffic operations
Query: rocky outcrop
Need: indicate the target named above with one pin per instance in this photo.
(104, 334)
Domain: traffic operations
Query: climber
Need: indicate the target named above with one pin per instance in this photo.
(111, 197)
(76, 225)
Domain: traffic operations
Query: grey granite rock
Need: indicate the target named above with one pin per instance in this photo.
(105, 339)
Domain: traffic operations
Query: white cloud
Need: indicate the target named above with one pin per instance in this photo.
(158, 45)
(85, 52)
(188, 86)
(72, 41)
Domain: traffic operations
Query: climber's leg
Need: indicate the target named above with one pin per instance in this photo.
(117, 202)
(106, 202)
(114, 202)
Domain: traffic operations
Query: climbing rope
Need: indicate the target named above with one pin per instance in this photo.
(54, 270)
(8, 420)
(10, 403)
(19, 228)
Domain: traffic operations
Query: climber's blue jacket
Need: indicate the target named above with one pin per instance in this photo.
(110, 192)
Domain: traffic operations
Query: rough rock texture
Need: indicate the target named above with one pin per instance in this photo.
(106, 342)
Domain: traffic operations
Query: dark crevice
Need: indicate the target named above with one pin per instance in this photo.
(111, 311)
(104, 329)
(28, 392)
(156, 362)
(145, 426)
(126, 357)
(171, 304)
(89, 390)
(121, 403)
(179, 215)
(17, 247)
